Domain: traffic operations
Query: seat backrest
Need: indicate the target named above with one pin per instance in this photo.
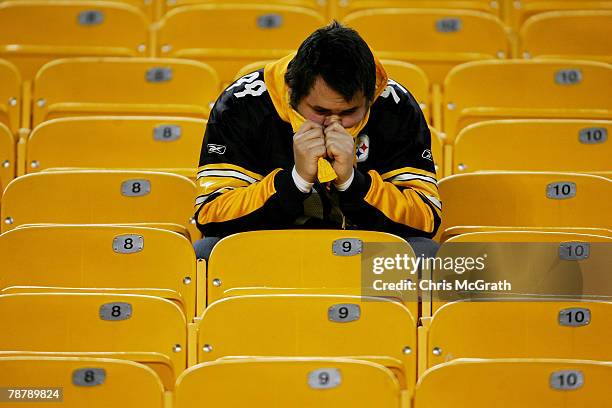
(345, 7)
(123, 86)
(76, 322)
(310, 326)
(434, 40)
(520, 10)
(320, 7)
(520, 329)
(162, 143)
(255, 32)
(106, 257)
(527, 383)
(413, 79)
(92, 382)
(516, 89)
(317, 261)
(98, 197)
(580, 146)
(10, 96)
(523, 199)
(71, 28)
(538, 263)
(283, 382)
(8, 157)
(583, 34)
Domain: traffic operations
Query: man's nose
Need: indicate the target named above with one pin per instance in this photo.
(331, 119)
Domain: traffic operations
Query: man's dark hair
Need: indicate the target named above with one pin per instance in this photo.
(340, 56)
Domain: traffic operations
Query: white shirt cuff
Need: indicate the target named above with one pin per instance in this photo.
(300, 183)
(347, 183)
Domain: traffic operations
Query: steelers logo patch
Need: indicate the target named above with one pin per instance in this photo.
(362, 148)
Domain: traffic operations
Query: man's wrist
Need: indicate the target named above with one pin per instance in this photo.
(344, 186)
(302, 185)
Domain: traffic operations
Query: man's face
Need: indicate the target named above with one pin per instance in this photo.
(323, 105)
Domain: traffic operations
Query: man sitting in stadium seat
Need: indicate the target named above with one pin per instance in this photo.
(318, 139)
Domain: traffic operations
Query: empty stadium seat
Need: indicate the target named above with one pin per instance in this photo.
(510, 383)
(520, 10)
(251, 67)
(123, 86)
(365, 328)
(520, 329)
(538, 201)
(434, 40)
(100, 197)
(538, 263)
(288, 382)
(348, 6)
(10, 96)
(585, 35)
(169, 144)
(107, 258)
(7, 157)
(295, 261)
(128, 327)
(254, 33)
(580, 146)
(33, 32)
(412, 78)
(319, 6)
(560, 89)
(91, 382)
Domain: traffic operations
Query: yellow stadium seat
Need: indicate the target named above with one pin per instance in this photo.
(538, 263)
(147, 7)
(251, 67)
(303, 262)
(100, 197)
(345, 7)
(376, 330)
(161, 364)
(526, 236)
(7, 157)
(71, 28)
(521, 10)
(108, 258)
(520, 89)
(319, 6)
(511, 383)
(580, 146)
(91, 382)
(123, 86)
(169, 144)
(585, 35)
(254, 33)
(10, 96)
(412, 78)
(288, 382)
(521, 199)
(520, 329)
(121, 326)
(434, 40)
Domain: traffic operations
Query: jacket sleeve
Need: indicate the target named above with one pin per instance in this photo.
(233, 194)
(401, 194)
